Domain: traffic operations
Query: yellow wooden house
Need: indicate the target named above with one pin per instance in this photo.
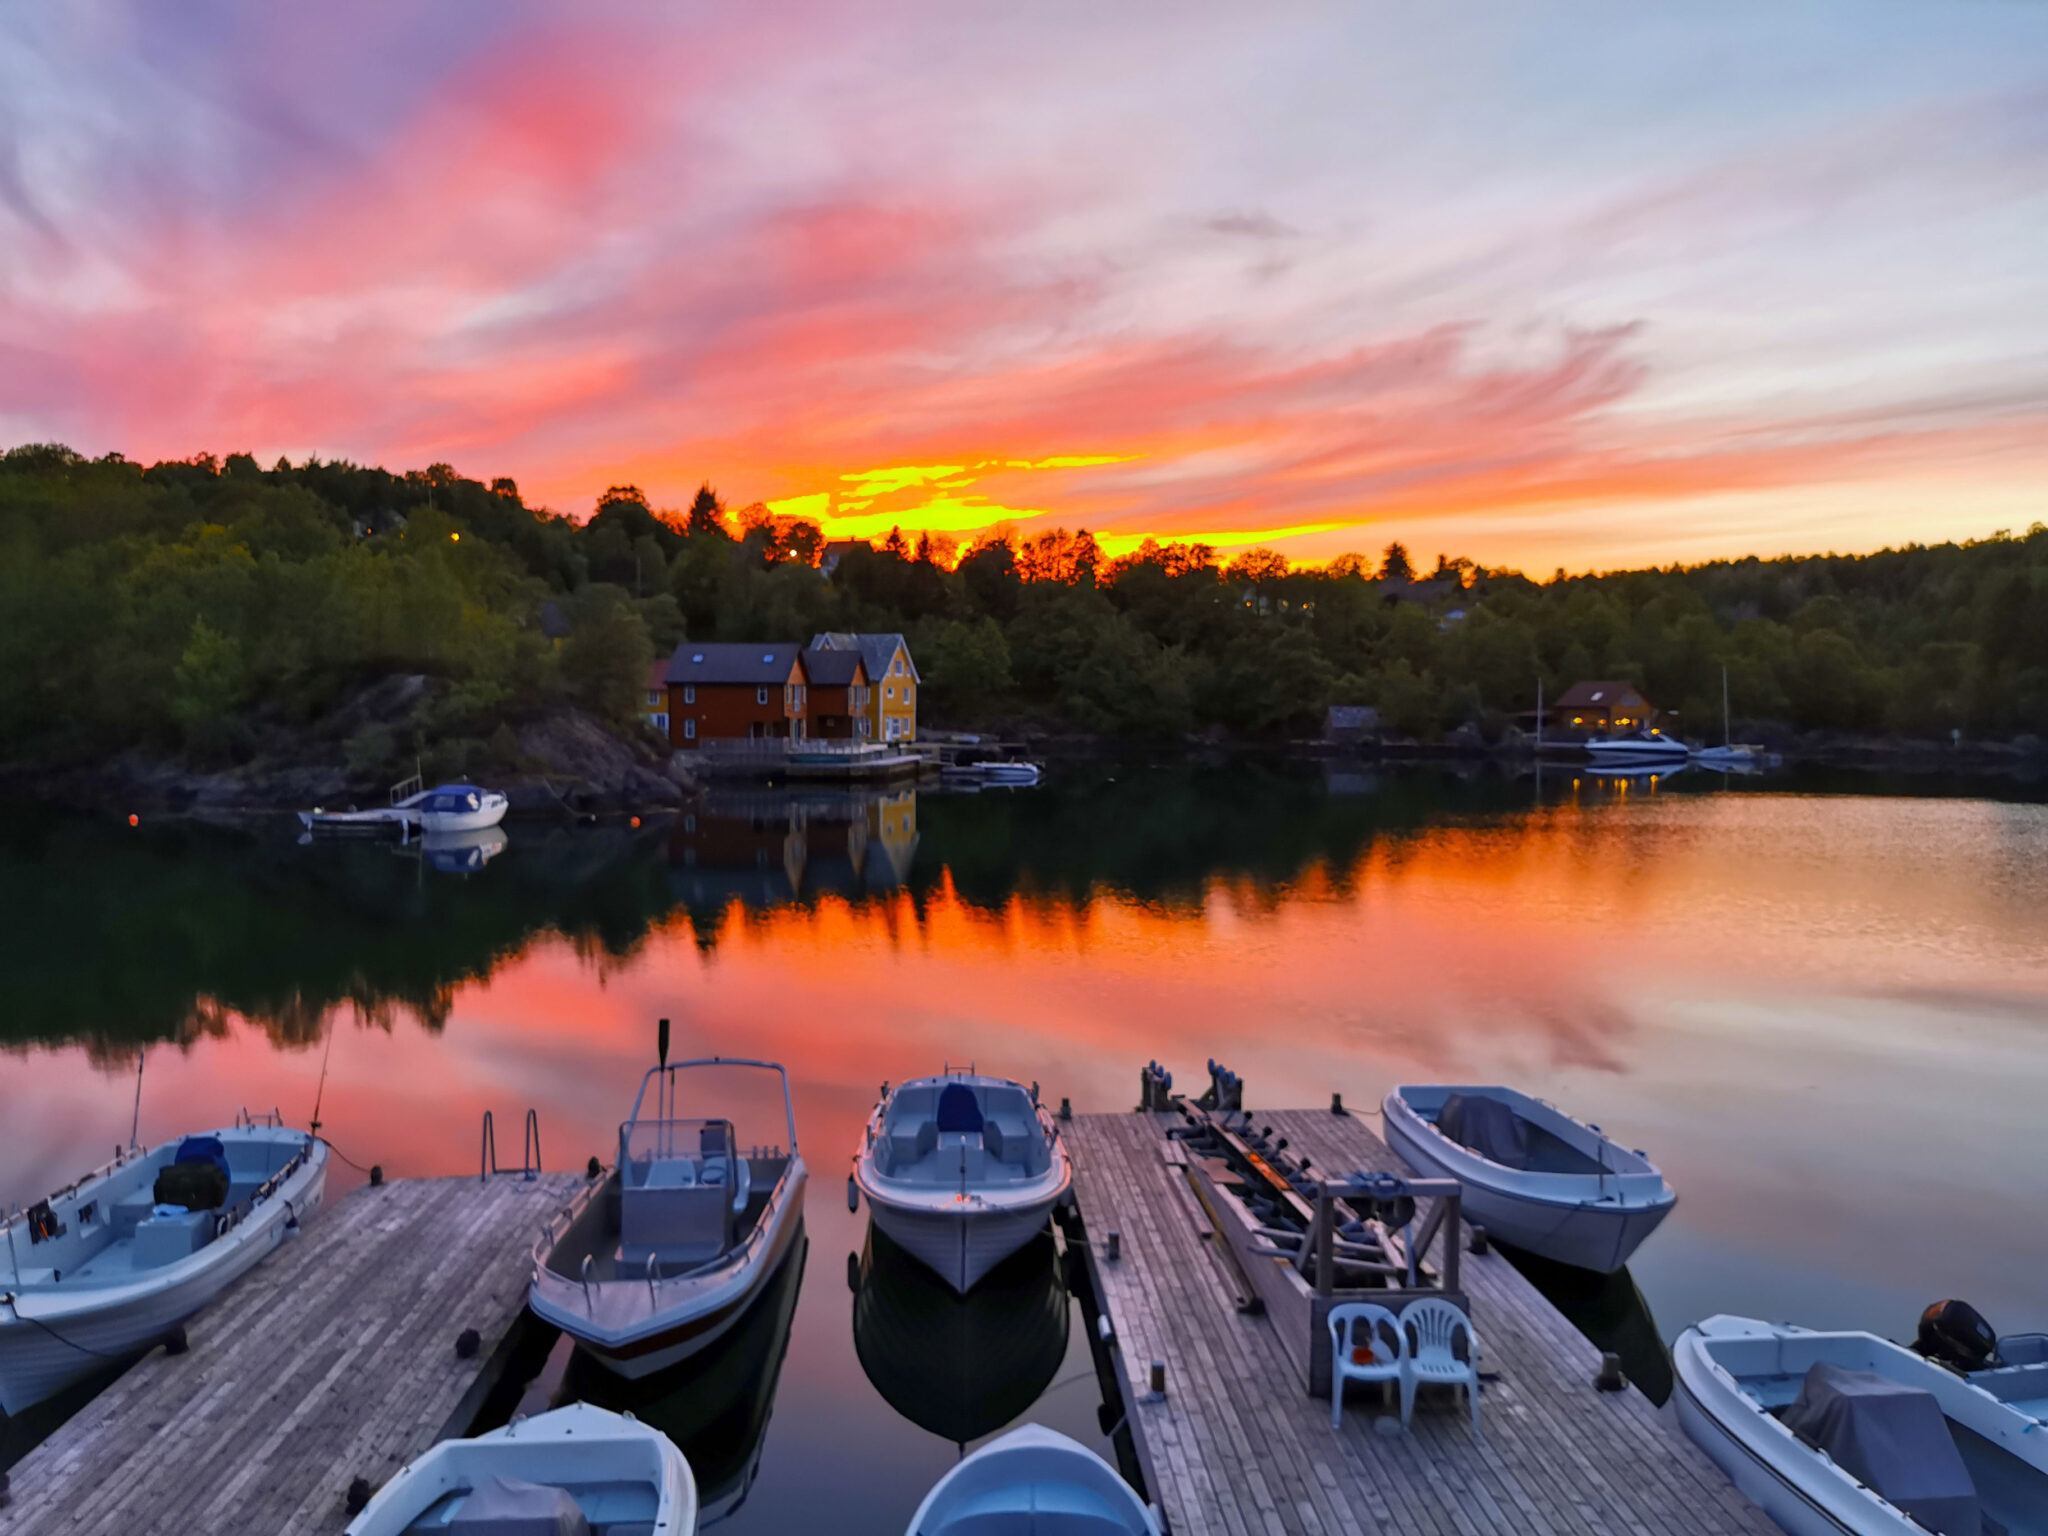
(891, 714)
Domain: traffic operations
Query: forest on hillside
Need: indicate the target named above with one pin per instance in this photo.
(204, 607)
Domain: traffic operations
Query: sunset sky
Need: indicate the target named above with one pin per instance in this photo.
(1580, 284)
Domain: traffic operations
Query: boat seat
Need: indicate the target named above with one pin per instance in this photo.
(715, 1173)
(959, 1112)
(129, 1212)
(169, 1234)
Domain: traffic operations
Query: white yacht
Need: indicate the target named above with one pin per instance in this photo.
(961, 1170)
(1639, 749)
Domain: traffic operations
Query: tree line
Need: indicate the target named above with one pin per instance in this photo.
(208, 607)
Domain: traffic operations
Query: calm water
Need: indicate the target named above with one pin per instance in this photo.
(1822, 1008)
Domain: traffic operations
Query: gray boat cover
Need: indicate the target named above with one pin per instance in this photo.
(1890, 1437)
(1488, 1127)
(504, 1506)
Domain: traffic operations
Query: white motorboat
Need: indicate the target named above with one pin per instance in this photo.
(1848, 1434)
(456, 808)
(659, 1260)
(961, 1170)
(1639, 749)
(1037, 1480)
(446, 808)
(578, 1469)
(108, 1267)
(1529, 1173)
(994, 773)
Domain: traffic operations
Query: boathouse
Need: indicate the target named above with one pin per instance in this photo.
(1602, 708)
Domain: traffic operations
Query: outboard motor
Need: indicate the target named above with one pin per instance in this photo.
(1954, 1334)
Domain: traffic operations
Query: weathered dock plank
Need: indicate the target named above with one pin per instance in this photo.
(1236, 1448)
(333, 1360)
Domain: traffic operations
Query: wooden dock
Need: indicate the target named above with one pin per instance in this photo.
(334, 1359)
(1237, 1446)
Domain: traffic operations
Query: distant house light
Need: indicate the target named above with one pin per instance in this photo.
(768, 659)
(698, 659)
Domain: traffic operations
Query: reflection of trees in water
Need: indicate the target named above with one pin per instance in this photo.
(173, 930)
(168, 932)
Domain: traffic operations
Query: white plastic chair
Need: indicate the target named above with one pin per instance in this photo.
(1384, 1362)
(1429, 1357)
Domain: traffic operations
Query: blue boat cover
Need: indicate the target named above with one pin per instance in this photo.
(1487, 1126)
(958, 1110)
(1891, 1437)
(205, 1149)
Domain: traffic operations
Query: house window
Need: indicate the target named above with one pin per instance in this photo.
(653, 697)
(661, 722)
(689, 730)
(906, 693)
(889, 694)
(689, 693)
(761, 694)
(867, 727)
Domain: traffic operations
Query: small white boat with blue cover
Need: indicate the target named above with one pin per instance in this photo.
(663, 1258)
(110, 1265)
(1530, 1174)
(578, 1471)
(1036, 1482)
(1848, 1434)
(961, 1170)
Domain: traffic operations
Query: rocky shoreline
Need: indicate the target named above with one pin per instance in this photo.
(574, 767)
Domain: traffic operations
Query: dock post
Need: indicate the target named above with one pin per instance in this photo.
(1326, 1242)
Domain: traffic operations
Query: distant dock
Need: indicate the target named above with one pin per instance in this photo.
(1237, 1447)
(336, 1359)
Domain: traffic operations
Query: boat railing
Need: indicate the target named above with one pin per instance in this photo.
(250, 1120)
(529, 1158)
(664, 1079)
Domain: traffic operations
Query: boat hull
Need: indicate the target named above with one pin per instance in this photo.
(1805, 1499)
(692, 1319)
(50, 1340)
(1038, 1480)
(575, 1446)
(1571, 1225)
(962, 1244)
(489, 815)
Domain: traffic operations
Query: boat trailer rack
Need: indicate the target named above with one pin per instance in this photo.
(1308, 1239)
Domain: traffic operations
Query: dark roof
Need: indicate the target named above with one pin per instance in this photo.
(832, 669)
(875, 650)
(1599, 695)
(707, 661)
(657, 675)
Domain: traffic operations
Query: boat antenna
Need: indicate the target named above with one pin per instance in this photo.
(320, 1092)
(661, 1058)
(135, 1121)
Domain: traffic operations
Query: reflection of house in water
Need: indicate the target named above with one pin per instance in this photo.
(767, 847)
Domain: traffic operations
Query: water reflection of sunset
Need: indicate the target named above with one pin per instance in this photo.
(1822, 1014)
